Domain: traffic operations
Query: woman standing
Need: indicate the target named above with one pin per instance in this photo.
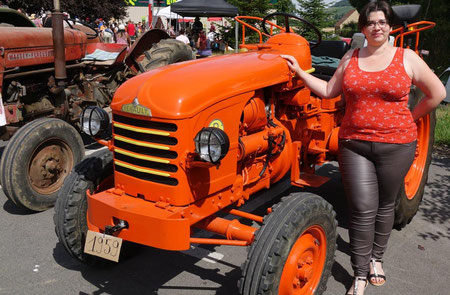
(377, 138)
(122, 36)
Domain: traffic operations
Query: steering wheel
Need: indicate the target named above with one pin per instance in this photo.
(288, 29)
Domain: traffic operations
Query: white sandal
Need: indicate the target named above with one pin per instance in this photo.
(356, 284)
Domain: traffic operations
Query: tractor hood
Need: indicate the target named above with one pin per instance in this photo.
(182, 90)
(24, 38)
(34, 46)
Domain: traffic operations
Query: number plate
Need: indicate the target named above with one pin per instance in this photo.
(102, 245)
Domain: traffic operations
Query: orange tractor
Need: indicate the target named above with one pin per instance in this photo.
(43, 93)
(199, 138)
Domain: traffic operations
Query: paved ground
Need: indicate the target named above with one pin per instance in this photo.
(32, 261)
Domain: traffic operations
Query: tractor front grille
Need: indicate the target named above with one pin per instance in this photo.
(145, 149)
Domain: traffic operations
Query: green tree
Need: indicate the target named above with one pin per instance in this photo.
(435, 40)
(254, 8)
(285, 6)
(76, 8)
(313, 11)
(257, 8)
(349, 29)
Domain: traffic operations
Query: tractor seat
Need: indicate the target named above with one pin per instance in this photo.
(406, 14)
(326, 57)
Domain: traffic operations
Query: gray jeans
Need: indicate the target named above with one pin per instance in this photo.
(372, 174)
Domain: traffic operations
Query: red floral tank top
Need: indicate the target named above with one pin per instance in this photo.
(377, 103)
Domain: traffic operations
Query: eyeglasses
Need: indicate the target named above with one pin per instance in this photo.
(381, 23)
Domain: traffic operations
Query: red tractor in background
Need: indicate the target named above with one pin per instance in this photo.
(42, 113)
(178, 158)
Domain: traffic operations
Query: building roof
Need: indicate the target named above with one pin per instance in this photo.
(344, 18)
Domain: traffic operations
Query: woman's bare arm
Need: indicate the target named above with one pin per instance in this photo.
(424, 78)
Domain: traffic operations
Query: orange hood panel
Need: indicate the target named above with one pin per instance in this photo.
(182, 90)
(22, 38)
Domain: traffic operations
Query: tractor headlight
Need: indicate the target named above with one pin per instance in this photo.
(94, 121)
(211, 144)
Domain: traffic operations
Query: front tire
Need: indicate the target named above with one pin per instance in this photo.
(293, 251)
(36, 161)
(70, 216)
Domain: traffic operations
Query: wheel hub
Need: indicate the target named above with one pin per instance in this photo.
(49, 165)
(305, 270)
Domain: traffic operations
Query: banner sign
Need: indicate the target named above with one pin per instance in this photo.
(141, 3)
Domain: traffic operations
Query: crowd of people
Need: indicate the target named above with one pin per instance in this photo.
(127, 32)
(109, 31)
(195, 36)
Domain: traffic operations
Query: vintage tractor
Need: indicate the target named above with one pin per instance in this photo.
(181, 155)
(47, 146)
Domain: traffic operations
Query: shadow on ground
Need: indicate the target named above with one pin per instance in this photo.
(435, 207)
(148, 271)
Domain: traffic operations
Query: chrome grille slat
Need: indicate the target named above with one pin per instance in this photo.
(145, 149)
(146, 137)
(145, 124)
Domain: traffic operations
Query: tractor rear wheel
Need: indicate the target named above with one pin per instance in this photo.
(37, 159)
(71, 206)
(166, 52)
(293, 251)
(411, 193)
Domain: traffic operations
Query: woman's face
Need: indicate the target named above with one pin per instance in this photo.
(377, 28)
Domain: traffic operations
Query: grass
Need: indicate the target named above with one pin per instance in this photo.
(442, 131)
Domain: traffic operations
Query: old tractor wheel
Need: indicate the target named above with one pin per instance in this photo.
(293, 251)
(93, 172)
(411, 193)
(166, 52)
(36, 161)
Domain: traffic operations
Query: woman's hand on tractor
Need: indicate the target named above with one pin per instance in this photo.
(292, 64)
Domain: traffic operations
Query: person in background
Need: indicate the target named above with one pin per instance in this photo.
(182, 37)
(131, 30)
(107, 34)
(122, 36)
(197, 27)
(212, 36)
(378, 134)
(171, 31)
(21, 10)
(203, 45)
(36, 20)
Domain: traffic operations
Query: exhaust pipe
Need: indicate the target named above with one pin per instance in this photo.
(58, 45)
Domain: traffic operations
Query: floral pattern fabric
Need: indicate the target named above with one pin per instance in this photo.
(377, 103)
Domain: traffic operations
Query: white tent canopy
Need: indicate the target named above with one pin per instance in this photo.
(167, 13)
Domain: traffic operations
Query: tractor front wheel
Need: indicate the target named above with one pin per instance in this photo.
(293, 251)
(71, 206)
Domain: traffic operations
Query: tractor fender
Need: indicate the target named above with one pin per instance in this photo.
(142, 44)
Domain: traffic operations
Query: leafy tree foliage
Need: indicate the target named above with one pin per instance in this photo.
(253, 8)
(285, 6)
(314, 11)
(76, 8)
(435, 40)
(349, 29)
